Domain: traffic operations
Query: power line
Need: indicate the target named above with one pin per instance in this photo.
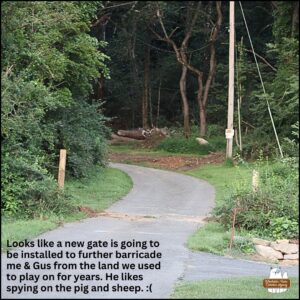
(261, 80)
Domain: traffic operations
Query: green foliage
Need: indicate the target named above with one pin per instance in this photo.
(21, 229)
(183, 145)
(291, 145)
(243, 244)
(28, 189)
(273, 210)
(283, 227)
(232, 288)
(214, 130)
(282, 20)
(98, 191)
(49, 64)
(83, 133)
(258, 142)
(282, 88)
(177, 143)
(210, 238)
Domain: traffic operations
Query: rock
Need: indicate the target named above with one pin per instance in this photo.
(268, 252)
(285, 248)
(202, 141)
(289, 262)
(261, 242)
(291, 256)
(282, 241)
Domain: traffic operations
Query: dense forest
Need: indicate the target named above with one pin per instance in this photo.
(73, 72)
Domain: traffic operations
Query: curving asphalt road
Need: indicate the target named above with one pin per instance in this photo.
(162, 206)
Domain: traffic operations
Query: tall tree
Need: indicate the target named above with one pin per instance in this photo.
(145, 99)
(49, 62)
(182, 58)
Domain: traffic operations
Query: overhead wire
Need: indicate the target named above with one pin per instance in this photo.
(261, 80)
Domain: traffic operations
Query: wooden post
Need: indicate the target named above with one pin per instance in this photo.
(232, 231)
(255, 181)
(229, 130)
(62, 168)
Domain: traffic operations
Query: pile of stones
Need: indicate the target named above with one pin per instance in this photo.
(280, 251)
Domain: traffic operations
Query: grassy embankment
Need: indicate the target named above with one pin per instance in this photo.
(97, 192)
(171, 146)
(232, 288)
(224, 177)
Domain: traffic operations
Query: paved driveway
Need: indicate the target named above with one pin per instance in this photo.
(162, 206)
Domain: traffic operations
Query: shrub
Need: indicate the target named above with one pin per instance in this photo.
(28, 189)
(179, 144)
(257, 143)
(243, 244)
(273, 210)
(83, 133)
(214, 130)
(46, 74)
(183, 145)
(283, 227)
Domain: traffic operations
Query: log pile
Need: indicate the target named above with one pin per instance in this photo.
(138, 135)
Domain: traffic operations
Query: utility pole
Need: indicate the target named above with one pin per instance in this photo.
(229, 131)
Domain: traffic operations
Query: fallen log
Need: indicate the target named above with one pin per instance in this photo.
(138, 134)
(117, 139)
(142, 134)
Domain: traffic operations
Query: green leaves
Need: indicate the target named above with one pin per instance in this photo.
(49, 62)
(273, 210)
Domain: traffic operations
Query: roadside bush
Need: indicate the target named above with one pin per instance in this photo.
(28, 189)
(257, 143)
(243, 244)
(47, 72)
(291, 145)
(183, 145)
(179, 144)
(83, 133)
(273, 210)
(214, 130)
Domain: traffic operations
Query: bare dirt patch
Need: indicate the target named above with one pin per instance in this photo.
(91, 213)
(180, 163)
(135, 218)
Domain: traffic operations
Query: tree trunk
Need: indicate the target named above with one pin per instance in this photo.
(100, 94)
(185, 104)
(212, 70)
(150, 108)
(137, 86)
(202, 113)
(145, 103)
(181, 55)
(295, 20)
(202, 121)
(158, 103)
